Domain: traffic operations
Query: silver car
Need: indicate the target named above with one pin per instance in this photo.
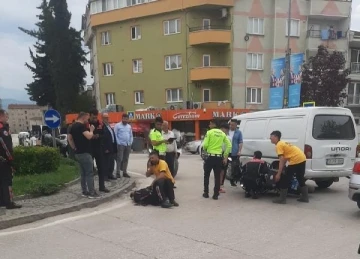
(354, 184)
(193, 146)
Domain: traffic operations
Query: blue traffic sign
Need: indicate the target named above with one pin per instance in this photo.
(131, 115)
(52, 119)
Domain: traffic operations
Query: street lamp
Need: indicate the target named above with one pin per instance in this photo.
(287, 60)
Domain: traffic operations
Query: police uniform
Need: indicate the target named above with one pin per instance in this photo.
(213, 145)
(6, 168)
(156, 135)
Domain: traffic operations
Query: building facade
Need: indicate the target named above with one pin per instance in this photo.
(23, 116)
(173, 54)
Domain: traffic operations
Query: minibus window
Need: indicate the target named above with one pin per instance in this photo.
(333, 127)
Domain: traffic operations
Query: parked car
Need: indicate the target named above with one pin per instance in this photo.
(354, 184)
(193, 146)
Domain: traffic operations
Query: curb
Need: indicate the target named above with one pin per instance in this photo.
(90, 204)
(27, 196)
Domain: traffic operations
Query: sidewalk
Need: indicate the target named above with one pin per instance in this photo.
(67, 200)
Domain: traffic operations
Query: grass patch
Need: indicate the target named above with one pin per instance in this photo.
(48, 183)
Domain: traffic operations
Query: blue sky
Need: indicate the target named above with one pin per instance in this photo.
(14, 45)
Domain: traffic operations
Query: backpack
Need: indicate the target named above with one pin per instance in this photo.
(143, 196)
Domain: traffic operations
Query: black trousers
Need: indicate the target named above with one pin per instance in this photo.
(108, 164)
(6, 196)
(235, 167)
(298, 170)
(251, 185)
(212, 163)
(170, 160)
(164, 189)
(99, 159)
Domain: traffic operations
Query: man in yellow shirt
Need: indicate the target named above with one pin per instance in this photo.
(163, 185)
(213, 145)
(296, 165)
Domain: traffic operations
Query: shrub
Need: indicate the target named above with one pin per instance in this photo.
(45, 188)
(36, 160)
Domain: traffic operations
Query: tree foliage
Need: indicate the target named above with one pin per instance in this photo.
(58, 64)
(324, 78)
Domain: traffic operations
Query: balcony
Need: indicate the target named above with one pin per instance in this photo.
(210, 73)
(134, 9)
(333, 40)
(210, 35)
(330, 9)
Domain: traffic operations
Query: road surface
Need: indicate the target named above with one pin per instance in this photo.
(232, 227)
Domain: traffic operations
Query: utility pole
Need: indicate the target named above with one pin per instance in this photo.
(287, 61)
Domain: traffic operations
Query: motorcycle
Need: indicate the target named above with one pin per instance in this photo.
(266, 181)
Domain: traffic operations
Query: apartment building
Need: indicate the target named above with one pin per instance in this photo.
(23, 116)
(169, 54)
(353, 89)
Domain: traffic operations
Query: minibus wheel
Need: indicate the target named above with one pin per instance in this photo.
(324, 184)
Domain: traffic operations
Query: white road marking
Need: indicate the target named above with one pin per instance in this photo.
(72, 218)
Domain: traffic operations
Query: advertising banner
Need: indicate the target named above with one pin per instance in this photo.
(277, 81)
(296, 62)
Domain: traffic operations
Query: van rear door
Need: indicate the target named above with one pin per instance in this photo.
(333, 142)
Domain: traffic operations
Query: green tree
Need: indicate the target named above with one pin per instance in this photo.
(324, 78)
(41, 90)
(59, 60)
(69, 59)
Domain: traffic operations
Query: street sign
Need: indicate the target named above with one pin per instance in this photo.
(52, 119)
(131, 115)
(309, 104)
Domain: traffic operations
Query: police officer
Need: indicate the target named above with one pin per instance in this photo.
(157, 140)
(6, 167)
(213, 145)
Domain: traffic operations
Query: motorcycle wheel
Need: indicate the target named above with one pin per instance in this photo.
(176, 166)
(228, 173)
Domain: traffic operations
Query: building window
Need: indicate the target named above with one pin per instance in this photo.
(108, 69)
(135, 33)
(206, 24)
(172, 27)
(253, 95)
(110, 98)
(353, 97)
(135, 2)
(256, 26)
(139, 97)
(254, 61)
(294, 28)
(96, 7)
(173, 62)
(206, 60)
(105, 38)
(174, 95)
(206, 95)
(137, 66)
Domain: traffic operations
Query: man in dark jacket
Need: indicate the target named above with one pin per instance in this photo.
(6, 166)
(96, 147)
(252, 175)
(109, 148)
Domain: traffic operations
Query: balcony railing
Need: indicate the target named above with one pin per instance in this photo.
(210, 27)
(355, 67)
(326, 34)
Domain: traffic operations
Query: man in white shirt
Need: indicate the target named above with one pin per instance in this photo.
(171, 148)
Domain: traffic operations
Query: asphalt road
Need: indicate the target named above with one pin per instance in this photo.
(232, 227)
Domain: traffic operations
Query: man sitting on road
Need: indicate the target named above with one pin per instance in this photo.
(163, 185)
